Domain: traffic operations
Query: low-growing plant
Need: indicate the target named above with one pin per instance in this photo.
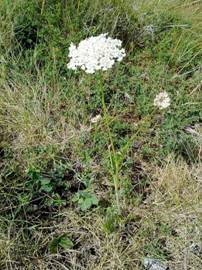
(85, 199)
(62, 241)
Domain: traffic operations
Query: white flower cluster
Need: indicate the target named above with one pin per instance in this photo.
(95, 53)
(162, 100)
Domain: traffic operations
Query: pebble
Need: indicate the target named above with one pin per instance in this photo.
(153, 264)
(195, 249)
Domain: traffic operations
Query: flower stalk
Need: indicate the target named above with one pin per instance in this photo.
(112, 151)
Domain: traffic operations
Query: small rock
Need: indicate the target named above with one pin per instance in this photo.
(95, 119)
(196, 131)
(195, 249)
(153, 264)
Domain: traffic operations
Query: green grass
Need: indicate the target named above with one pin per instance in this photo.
(61, 177)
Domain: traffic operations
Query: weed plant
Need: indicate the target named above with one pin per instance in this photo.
(57, 195)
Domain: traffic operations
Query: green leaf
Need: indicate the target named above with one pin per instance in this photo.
(65, 242)
(75, 197)
(86, 204)
(62, 241)
(94, 200)
(46, 185)
(85, 200)
(53, 245)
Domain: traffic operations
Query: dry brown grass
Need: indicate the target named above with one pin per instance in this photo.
(35, 122)
(170, 217)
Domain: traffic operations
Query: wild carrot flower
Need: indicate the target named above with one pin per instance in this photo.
(162, 100)
(95, 53)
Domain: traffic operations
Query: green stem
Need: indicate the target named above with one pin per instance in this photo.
(114, 161)
(42, 7)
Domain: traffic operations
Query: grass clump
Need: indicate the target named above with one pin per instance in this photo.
(57, 195)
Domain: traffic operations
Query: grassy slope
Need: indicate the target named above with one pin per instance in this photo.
(50, 152)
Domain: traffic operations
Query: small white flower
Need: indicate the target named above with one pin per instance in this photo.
(162, 100)
(95, 53)
(95, 119)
